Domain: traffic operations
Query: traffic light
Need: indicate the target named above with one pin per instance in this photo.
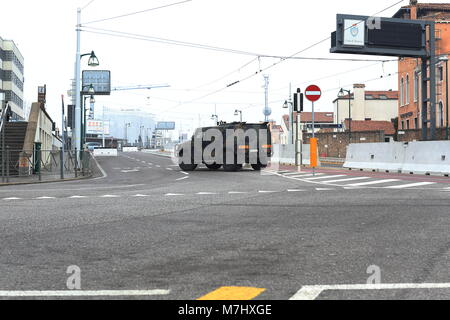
(298, 101)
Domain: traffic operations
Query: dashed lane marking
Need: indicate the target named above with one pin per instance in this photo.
(173, 194)
(237, 192)
(79, 293)
(264, 191)
(295, 190)
(45, 198)
(325, 189)
(77, 197)
(11, 199)
(140, 196)
(313, 292)
(206, 193)
(110, 196)
(185, 173)
(181, 179)
(233, 294)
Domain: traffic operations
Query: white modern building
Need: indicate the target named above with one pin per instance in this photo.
(12, 78)
(366, 105)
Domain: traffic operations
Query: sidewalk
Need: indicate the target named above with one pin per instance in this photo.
(45, 178)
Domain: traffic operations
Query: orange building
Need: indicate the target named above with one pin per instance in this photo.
(409, 69)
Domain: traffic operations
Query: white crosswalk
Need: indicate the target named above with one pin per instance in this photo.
(355, 182)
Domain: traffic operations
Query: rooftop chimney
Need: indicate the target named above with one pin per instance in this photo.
(413, 10)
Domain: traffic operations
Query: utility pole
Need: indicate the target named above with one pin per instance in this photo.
(266, 91)
(76, 132)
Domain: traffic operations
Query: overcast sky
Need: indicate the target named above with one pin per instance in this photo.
(45, 33)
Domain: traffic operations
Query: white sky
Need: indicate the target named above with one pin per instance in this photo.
(45, 33)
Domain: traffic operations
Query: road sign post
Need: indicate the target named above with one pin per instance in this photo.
(313, 94)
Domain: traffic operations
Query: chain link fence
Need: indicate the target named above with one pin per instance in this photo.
(44, 165)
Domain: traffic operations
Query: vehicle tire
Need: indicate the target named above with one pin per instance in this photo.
(188, 167)
(214, 167)
(257, 167)
(232, 167)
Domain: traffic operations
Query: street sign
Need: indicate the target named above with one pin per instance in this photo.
(165, 126)
(380, 36)
(313, 93)
(99, 79)
(325, 126)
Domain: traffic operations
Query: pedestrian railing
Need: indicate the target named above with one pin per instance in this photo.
(23, 165)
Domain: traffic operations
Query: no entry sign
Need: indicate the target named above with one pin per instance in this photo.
(313, 93)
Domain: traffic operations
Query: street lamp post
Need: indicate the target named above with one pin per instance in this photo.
(127, 125)
(93, 62)
(237, 113)
(349, 112)
(445, 59)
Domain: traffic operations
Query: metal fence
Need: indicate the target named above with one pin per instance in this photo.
(21, 165)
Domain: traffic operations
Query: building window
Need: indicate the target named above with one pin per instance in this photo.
(416, 86)
(407, 125)
(440, 75)
(407, 90)
(416, 123)
(402, 86)
(441, 114)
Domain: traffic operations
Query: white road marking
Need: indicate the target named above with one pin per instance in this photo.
(292, 173)
(373, 182)
(206, 193)
(174, 194)
(264, 191)
(45, 198)
(158, 166)
(76, 293)
(77, 197)
(169, 169)
(412, 185)
(237, 192)
(185, 173)
(10, 199)
(306, 175)
(313, 292)
(140, 196)
(295, 190)
(326, 177)
(184, 178)
(324, 189)
(346, 180)
(129, 171)
(109, 196)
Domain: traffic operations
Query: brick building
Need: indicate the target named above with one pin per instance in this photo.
(409, 69)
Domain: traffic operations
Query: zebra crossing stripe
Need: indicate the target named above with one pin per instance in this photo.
(412, 185)
(373, 182)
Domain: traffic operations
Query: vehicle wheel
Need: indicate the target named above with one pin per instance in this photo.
(232, 167)
(188, 167)
(257, 167)
(214, 167)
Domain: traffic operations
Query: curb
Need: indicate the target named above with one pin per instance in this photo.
(44, 182)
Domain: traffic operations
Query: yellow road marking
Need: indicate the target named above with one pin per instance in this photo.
(232, 293)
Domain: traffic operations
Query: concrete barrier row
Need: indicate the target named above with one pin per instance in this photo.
(285, 154)
(430, 157)
(105, 153)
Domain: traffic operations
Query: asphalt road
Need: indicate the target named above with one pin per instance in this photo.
(166, 234)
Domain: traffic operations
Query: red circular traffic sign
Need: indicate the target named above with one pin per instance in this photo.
(313, 93)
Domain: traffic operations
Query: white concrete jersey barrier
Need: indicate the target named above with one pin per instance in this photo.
(375, 156)
(105, 153)
(428, 157)
(130, 149)
(285, 154)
